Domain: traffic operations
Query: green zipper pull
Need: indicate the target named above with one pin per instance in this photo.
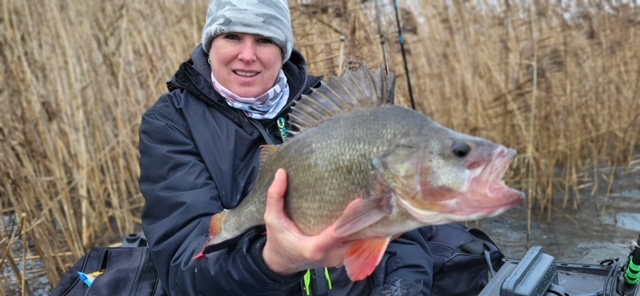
(282, 126)
(307, 280)
(328, 277)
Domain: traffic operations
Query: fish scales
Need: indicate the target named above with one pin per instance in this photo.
(330, 165)
(374, 169)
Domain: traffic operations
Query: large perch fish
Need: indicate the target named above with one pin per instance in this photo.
(377, 169)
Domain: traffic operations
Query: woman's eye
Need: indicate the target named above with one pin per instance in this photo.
(265, 41)
(231, 37)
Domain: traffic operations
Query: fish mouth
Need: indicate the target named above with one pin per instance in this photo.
(488, 195)
(482, 192)
(497, 167)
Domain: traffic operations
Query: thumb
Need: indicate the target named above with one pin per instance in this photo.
(276, 192)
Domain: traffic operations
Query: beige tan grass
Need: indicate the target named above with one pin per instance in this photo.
(79, 74)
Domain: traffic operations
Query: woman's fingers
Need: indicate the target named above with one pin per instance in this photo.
(274, 212)
(289, 250)
(332, 248)
(282, 252)
(277, 190)
(274, 215)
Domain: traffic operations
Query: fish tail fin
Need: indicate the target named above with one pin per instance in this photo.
(215, 234)
(364, 256)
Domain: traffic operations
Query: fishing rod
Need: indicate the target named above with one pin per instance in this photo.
(404, 54)
(382, 46)
(343, 37)
(382, 39)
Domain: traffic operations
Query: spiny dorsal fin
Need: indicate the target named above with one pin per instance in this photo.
(353, 90)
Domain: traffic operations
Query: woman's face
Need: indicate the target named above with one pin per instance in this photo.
(245, 64)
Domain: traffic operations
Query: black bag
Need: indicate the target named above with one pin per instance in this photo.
(461, 259)
(126, 271)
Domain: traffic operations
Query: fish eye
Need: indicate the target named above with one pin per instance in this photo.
(460, 149)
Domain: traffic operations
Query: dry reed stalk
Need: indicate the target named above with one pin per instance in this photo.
(77, 96)
(530, 148)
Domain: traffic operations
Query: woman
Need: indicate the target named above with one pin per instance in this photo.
(199, 149)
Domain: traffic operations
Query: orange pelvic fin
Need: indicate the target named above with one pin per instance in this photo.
(364, 256)
(361, 213)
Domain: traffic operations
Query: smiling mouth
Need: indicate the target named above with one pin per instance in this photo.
(245, 74)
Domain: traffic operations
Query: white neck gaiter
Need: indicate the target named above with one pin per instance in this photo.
(265, 106)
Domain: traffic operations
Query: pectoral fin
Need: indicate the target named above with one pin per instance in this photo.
(361, 213)
(364, 256)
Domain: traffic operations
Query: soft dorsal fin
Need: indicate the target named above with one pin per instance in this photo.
(353, 90)
(266, 151)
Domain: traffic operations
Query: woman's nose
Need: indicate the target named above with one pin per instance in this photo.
(247, 52)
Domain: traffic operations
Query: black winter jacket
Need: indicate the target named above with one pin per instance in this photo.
(198, 156)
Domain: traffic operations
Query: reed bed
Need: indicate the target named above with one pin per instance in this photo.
(561, 85)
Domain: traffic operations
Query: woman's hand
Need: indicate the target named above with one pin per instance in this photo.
(288, 250)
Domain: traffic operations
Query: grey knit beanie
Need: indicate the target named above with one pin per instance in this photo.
(268, 18)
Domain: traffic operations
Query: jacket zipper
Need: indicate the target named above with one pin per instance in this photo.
(264, 131)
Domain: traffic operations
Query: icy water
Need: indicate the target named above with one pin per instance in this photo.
(602, 228)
